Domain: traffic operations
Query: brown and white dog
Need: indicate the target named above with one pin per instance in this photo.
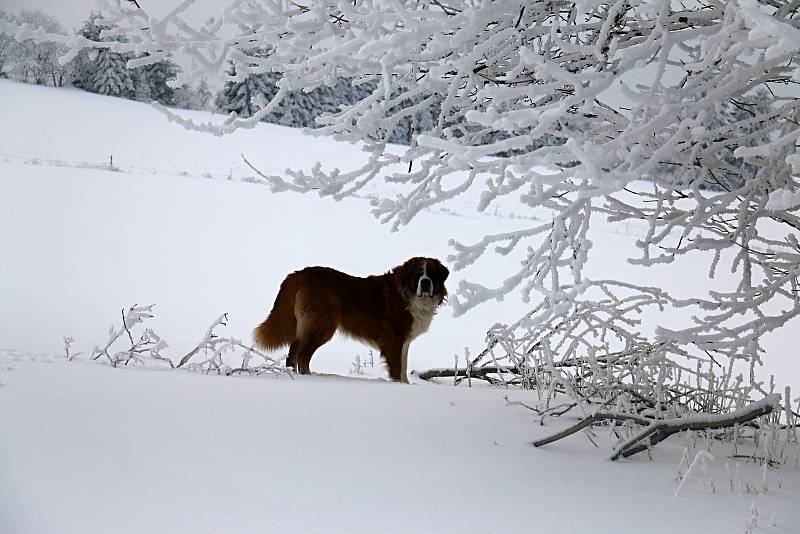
(386, 311)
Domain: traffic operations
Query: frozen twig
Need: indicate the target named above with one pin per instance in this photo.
(702, 457)
(211, 352)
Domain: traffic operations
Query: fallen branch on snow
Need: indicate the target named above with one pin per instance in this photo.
(476, 372)
(655, 431)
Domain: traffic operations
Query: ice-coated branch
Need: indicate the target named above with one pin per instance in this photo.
(145, 345)
(655, 431)
(212, 354)
(210, 351)
(68, 342)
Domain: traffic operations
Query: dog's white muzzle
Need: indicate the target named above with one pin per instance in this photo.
(425, 284)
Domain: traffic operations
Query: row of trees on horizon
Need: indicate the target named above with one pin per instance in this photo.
(107, 73)
(98, 71)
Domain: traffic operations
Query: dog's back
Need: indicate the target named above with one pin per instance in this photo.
(319, 299)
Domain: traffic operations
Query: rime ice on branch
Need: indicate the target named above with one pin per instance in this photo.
(207, 356)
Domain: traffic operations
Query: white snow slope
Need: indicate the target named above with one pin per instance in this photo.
(87, 448)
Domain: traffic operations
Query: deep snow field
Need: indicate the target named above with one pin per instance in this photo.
(86, 448)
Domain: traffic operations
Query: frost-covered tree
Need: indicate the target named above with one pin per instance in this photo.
(301, 108)
(203, 95)
(82, 67)
(736, 114)
(101, 69)
(110, 73)
(112, 76)
(152, 81)
(185, 97)
(243, 92)
(7, 44)
(627, 86)
(188, 97)
(33, 61)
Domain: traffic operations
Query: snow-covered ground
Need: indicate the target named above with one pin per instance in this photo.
(87, 448)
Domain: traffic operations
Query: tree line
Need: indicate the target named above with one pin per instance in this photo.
(106, 72)
(97, 71)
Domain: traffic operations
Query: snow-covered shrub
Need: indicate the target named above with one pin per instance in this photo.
(212, 354)
(358, 366)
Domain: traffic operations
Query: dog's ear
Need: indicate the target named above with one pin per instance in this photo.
(441, 272)
(410, 272)
(440, 275)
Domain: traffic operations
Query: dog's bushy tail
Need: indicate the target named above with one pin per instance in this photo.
(280, 326)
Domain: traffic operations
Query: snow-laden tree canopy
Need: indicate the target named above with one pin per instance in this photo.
(631, 92)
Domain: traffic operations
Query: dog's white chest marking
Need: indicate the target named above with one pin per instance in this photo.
(422, 310)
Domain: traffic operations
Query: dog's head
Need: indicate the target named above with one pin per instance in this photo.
(422, 278)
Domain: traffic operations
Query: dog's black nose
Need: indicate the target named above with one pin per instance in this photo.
(426, 285)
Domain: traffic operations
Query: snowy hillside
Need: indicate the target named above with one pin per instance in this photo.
(168, 228)
(87, 448)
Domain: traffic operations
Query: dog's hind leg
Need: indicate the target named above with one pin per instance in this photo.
(313, 331)
(308, 345)
(316, 324)
(291, 359)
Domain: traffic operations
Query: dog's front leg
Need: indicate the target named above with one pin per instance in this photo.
(404, 363)
(394, 354)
